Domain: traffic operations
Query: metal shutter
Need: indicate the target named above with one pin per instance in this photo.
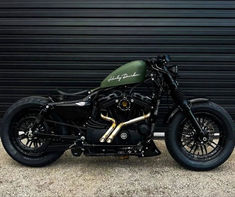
(74, 44)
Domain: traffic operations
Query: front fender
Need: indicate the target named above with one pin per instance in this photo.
(176, 109)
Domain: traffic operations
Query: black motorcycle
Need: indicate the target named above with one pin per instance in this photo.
(118, 119)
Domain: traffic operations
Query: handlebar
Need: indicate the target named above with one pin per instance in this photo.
(161, 64)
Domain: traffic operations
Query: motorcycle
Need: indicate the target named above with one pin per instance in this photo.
(119, 119)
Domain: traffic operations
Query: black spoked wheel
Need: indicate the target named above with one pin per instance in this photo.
(196, 151)
(202, 146)
(22, 135)
(18, 138)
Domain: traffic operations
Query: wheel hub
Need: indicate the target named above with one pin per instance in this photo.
(30, 133)
(204, 139)
(201, 137)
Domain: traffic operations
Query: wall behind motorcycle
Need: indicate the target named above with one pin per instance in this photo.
(74, 44)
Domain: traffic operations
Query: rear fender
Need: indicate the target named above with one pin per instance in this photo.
(177, 108)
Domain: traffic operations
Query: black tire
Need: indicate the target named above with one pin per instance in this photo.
(10, 147)
(176, 149)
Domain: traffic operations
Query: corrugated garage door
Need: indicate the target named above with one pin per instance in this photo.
(74, 44)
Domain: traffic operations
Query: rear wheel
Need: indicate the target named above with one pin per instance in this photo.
(201, 152)
(17, 136)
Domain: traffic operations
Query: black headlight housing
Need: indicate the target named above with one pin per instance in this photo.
(173, 70)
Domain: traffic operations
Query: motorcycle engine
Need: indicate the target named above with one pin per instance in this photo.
(121, 107)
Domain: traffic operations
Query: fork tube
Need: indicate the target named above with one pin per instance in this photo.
(180, 100)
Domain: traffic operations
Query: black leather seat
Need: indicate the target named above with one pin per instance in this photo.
(62, 92)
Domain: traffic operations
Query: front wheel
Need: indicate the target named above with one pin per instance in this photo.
(195, 151)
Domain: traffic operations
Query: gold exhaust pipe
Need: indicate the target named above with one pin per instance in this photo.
(108, 132)
(118, 128)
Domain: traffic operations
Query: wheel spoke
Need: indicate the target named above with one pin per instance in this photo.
(211, 145)
(192, 147)
(27, 143)
(31, 142)
(201, 121)
(213, 142)
(186, 135)
(202, 149)
(195, 149)
(35, 144)
(187, 143)
(205, 148)
(22, 136)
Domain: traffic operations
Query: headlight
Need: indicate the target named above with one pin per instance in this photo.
(173, 69)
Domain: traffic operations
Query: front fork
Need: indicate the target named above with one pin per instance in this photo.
(183, 103)
(185, 106)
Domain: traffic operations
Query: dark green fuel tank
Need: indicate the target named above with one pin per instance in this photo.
(130, 73)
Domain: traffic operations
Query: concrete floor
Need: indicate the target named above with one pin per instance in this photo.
(111, 176)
